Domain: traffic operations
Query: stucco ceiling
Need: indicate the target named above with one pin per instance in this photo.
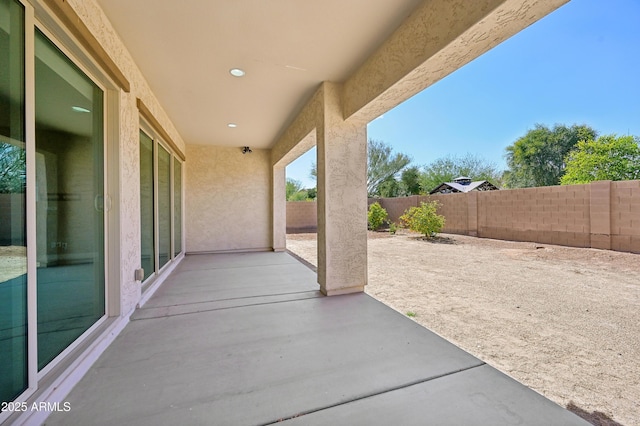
(287, 47)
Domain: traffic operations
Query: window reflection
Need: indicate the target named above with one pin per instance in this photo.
(69, 201)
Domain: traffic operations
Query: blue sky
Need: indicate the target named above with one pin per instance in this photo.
(581, 65)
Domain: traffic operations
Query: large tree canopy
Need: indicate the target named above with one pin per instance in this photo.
(408, 184)
(538, 158)
(448, 168)
(606, 158)
(382, 165)
(410, 181)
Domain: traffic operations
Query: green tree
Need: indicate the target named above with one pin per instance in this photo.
(294, 190)
(382, 164)
(408, 184)
(12, 169)
(389, 188)
(312, 193)
(410, 181)
(538, 157)
(448, 168)
(424, 219)
(313, 174)
(606, 158)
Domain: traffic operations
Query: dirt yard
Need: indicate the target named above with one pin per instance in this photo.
(564, 321)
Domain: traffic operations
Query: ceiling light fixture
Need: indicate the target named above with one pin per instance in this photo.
(79, 109)
(232, 125)
(237, 72)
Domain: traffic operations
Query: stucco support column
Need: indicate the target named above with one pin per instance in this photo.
(279, 211)
(342, 198)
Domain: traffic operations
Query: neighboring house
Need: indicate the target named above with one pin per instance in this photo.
(141, 141)
(463, 184)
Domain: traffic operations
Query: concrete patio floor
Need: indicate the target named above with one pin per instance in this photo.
(247, 339)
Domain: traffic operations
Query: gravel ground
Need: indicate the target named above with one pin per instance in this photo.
(564, 321)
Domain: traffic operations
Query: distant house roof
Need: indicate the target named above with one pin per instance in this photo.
(463, 184)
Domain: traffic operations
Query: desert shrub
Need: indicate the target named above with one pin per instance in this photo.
(377, 216)
(424, 219)
(393, 228)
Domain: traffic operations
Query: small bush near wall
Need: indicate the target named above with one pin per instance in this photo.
(393, 228)
(424, 219)
(377, 216)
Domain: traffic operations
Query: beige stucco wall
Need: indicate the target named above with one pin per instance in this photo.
(228, 201)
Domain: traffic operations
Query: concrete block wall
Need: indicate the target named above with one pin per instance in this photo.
(455, 209)
(302, 216)
(604, 215)
(551, 215)
(396, 207)
(625, 216)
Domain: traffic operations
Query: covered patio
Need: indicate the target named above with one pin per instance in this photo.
(183, 119)
(249, 339)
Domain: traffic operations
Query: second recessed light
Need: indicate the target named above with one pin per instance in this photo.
(232, 125)
(236, 72)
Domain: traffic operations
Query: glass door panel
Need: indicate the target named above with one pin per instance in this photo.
(146, 205)
(13, 246)
(69, 200)
(177, 207)
(164, 206)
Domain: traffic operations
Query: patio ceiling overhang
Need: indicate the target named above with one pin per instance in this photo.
(382, 51)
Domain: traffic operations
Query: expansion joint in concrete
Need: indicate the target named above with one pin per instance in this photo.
(374, 394)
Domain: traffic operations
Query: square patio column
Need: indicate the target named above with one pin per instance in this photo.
(279, 202)
(342, 198)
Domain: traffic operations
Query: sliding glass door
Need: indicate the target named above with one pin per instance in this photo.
(164, 206)
(13, 239)
(160, 204)
(147, 240)
(53, 204)
(177, 207)
(70, 200)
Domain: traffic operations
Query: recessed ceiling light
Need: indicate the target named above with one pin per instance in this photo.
(236, 72)
(232, 125)
(79, 109)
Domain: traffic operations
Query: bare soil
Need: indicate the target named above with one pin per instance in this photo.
(564, 321)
